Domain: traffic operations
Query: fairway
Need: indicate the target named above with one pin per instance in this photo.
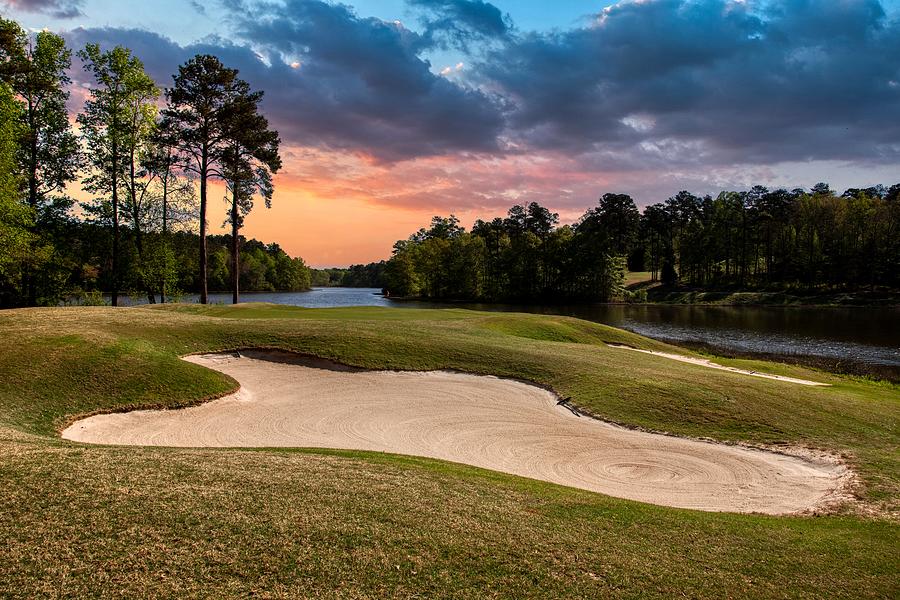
(179, 521)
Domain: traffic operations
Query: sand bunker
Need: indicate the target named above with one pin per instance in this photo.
(488, 422)
(710, 364)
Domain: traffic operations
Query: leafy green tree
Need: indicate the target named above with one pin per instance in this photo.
(16, 219)
(198, 117)
(116, 121)
(524, 257)
(35, 69)
(218, 268)
(286, 273)
(159, 267)
(171, 197)
(401, 275)
(139, 129)
(248, 163)
(618, 216)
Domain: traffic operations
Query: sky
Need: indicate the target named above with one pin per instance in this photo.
(391, 111)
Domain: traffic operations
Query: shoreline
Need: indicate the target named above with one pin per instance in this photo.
(797, 301)
(777, 298)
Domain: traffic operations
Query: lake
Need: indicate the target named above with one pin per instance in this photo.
(867, 335)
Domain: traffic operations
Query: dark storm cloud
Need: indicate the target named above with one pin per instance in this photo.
(710, 80)
(657, 84)
(362, 83)
(160, 55)
(335, 80)
(62, 9)
(461, 23)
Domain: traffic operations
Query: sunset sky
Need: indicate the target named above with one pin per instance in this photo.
(391, 111)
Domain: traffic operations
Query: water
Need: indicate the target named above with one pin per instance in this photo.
(865, 335)
(314, 298)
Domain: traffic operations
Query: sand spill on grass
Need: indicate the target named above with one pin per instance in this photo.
(488, 422)
(703, 362)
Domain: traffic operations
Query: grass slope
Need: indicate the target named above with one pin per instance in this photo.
(108, 521)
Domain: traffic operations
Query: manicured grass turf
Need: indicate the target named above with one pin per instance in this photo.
(105, 521)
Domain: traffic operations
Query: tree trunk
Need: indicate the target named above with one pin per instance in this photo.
(204, 298)
(30, 284)
(235, 250)
(138, 235)
(115, 208)
(165, 236)
(139, 243)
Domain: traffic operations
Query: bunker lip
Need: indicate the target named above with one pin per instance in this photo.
(505, 425)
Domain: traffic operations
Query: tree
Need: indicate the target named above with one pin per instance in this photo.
(47, 153)
(139, 129)
(172, 201)
(114, 124)
(198, 117)
(603, 239)
(16, 219)
(617, 216)
(248, 162)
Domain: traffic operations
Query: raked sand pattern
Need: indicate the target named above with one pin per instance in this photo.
(488, 422)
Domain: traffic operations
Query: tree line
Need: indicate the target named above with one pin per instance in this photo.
(83, 270)
(141, 152)
(356, 276)
(773, 238)
(753, 239)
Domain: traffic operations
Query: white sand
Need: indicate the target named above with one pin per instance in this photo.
(488, 422)
(708, 363)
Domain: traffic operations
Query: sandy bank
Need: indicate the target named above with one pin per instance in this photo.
(488, 422)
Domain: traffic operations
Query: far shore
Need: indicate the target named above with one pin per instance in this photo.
(678, 295)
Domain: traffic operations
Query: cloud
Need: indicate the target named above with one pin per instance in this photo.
(61, 9)
(335, 80)
(680, 82)
(198, 7)
(461, 23)
(649, 97)
(364, 84)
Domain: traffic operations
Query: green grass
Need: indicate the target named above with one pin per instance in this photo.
(633, 278)
(80, 520)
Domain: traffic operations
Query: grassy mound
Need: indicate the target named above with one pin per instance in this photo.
(108, 521)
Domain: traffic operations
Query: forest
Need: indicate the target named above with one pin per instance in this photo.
(758, 239)
(81, 271)
(146, 157)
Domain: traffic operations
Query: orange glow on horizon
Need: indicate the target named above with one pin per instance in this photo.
(338, 208)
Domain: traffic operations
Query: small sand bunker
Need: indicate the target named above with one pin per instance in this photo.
(487, 422)
(710, 364)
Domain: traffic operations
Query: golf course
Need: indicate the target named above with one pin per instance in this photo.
(278, 451)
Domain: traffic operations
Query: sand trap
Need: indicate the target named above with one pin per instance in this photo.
(488, 422)
(708, 363)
